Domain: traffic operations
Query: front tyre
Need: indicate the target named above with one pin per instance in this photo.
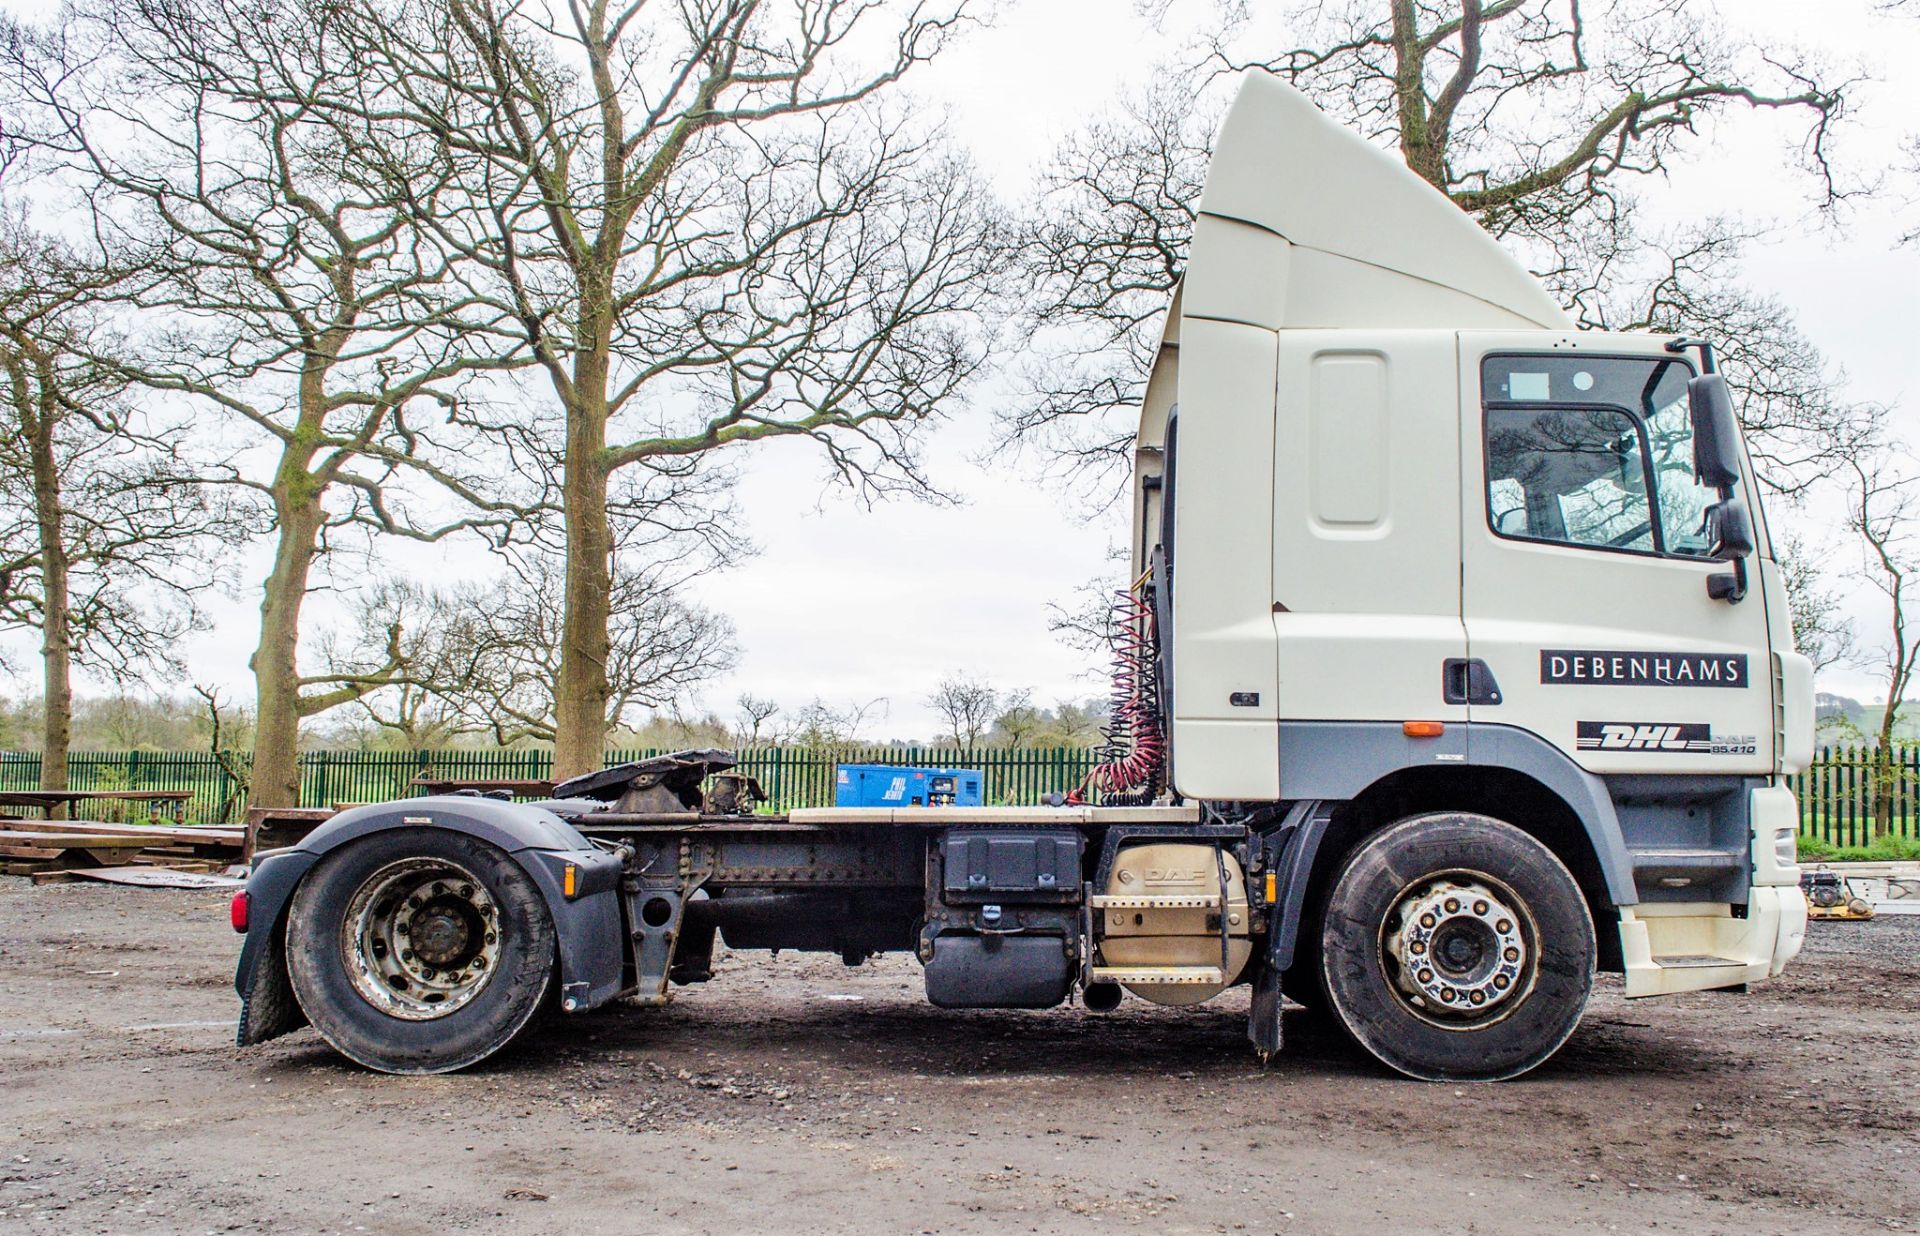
(419, 951)
(1457, 948)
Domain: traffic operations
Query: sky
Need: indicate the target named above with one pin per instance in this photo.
(855, 605)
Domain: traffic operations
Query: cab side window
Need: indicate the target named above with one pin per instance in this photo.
(1595, 451)
(1575, 475)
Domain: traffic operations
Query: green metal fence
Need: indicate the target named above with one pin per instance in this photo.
(1836, 793)
(792, 776)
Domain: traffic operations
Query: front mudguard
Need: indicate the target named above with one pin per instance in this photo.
(588, 926)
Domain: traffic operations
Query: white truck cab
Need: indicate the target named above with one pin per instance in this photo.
(1419, 544)
(1461, 625)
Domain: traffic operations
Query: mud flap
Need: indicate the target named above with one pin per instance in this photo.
(267, 1005)
(1263, 1016)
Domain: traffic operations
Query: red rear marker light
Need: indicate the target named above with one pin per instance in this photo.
(237, 912)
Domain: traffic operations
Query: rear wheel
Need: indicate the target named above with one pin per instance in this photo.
(419, 952)
(1456, 947)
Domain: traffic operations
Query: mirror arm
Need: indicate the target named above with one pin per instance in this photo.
(1729, 587)
(1683, 342)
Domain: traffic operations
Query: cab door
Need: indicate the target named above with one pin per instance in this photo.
(1584, 575)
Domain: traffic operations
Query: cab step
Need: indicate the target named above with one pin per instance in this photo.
(1136, 976)
(1694, 961)
(1191, 901)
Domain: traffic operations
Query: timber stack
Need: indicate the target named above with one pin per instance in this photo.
(60, 851)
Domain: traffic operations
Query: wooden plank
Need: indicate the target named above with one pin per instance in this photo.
(160, 833)
(29, 851)
(73, 841)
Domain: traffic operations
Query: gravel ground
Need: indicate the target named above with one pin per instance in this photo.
(794, 1093)
(1891, 939)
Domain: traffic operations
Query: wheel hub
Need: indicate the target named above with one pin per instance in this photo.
(421, 937)
(1460, 950)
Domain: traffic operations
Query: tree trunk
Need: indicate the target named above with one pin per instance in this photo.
(1884, 771)
(56, 627)
(275, 663)
(580, 694)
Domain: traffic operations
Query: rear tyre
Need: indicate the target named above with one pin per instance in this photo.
(419, 952)
(1457, 948)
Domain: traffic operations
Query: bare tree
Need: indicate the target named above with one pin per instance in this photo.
(1800, 429)
(1017, 720)
(755, 720)
(1532, 114)
(707, 233)
(823, 726)
(1537, 116)
(221, 747)
(489, 652)
(105, 540)
(1821, 631)
(967, 705)
(241, 159)
(1883, 501)
(420, 631)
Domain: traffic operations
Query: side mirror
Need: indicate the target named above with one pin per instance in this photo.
(1716, 436)
(1729, 531)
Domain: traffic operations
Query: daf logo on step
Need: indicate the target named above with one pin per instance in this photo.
(1604, 668)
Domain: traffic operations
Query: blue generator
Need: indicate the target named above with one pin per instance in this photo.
(890, 785)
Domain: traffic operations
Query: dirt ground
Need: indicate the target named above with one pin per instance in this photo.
(793, 1094)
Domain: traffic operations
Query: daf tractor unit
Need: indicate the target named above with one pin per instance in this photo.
(1456, 668)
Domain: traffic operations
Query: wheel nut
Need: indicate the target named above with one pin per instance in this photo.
(1426, 976)
(1453, 905)
(1428, 920)
(1449, 994)
(1478, 998)
(466, 890)
(1503, 926)
(406, 954)
(1511, 954)
(1501, 981)
(1416, 948)
(1480, 907)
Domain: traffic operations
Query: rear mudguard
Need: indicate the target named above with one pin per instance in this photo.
(588, 926)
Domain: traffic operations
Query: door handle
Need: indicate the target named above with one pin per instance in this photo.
(1468, 681)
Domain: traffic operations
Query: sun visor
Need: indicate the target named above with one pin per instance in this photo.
(1306, 224)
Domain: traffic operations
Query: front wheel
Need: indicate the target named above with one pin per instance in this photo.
(1457, 948)
(419, 951)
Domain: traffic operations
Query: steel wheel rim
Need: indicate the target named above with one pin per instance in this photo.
(421, 938)
(1460, 949)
